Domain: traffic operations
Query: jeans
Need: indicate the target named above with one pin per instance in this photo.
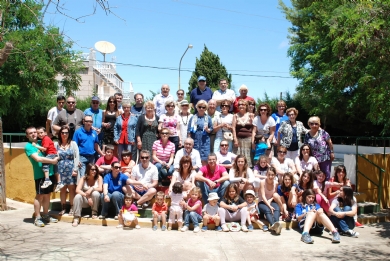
(84, 160)
(265, 210)
(192, 216)
(122, 147)
(162, 174)
(344, 223)
(204, 187)
(116, 198)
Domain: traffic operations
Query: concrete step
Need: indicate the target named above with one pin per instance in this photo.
(367, 208)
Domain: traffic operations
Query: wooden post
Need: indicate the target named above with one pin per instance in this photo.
(3, 198)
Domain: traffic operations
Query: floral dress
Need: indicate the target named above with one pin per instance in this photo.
(66, 165)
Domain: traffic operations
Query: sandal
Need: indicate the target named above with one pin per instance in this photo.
(119, 226)
(75, 222)
(71, 210)
(95, 216)
(63, 211)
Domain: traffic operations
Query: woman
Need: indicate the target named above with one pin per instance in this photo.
(124, 130)
(199, 129)
(241, 174)
(224, 157)
(267, 205)
(223, 126)
(184, 118)
(109, 117)
(290, 132)
(252, 106)
(88, 193)
(171, 121)
(264, 124)
(68, 167)
(283, 164)
(147, 128)
(287, 196)
(185, 175)
(163, 154)
(343, 218)
(340, 176)
(305, 160)
(214, 114)
(321, 145)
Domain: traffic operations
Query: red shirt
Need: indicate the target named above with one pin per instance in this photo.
(48, 144)
(104, 161)
(159, 208)
(123, 138)
(235, 104)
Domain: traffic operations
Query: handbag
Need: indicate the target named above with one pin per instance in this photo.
(228, 135)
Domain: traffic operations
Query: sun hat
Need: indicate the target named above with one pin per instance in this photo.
(251, 192)
(212, 196)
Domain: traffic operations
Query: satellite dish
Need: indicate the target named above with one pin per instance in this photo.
(104, 47)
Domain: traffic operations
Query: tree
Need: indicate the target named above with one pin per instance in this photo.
(210, 66)
(340, 54)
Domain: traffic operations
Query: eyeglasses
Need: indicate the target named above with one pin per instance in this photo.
(263, 109)
(70, 102)
(88, 121)
(224, 106)
(224, 145)
(146, 157)
(65, 133)
(111, 102)
(117, 167)
(171, 106)
(282, 152)
(314, 123)
(290, 115)
(94, 169)
(95, 102)
(164, 133)
(201, 107)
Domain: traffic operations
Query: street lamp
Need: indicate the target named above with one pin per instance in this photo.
(189, 46)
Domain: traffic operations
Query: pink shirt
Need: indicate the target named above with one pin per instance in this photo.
(170, 123)
(213, 176)
(163, 153)
(191, 203)
(131, 208)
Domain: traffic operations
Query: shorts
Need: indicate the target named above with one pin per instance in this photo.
(159, 216)
(44, 191)
(315, 229)
(255, 215)
(141, 193)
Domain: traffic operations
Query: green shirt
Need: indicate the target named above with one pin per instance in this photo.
(29, 149)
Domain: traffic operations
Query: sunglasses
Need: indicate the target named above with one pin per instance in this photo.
(171, 106)
(314, 123)
(185, 105)
(282, 152)
(263, 109)
(65, 133)
(224, 106)
(224, 145)
(95, 102)
(201, 107)
(88, 121)
(111, 102)
(70, 102)
(164, 133)
(94, 169)
(117, 167)
(147, 157)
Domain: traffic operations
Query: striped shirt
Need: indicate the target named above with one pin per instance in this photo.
(163, 153)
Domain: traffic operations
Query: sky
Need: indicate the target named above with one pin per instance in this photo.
(249, 36)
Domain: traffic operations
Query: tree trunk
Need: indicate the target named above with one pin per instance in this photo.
(3, 198)
(4, 53)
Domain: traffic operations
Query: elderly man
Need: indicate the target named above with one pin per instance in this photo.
(188, 150)
(160, 99)
(70, 116)
(147, 175)
(212, 178)
(97, 116)
(52, 115)
(202, 92)
(42, 195)
(224, 94)
(243, 95)
(138, 108)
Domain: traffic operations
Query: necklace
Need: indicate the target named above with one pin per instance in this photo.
(240, 121)
(182, 119)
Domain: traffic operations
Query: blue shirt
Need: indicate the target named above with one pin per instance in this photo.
(260, 149)
(278, 119)
(286, 194)
(115, 184)
(137, 111)
(97, 117)
(301, 209)
(197, 95)
(86, 140)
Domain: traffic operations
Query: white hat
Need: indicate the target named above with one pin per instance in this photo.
(249, 191)
(212, 196)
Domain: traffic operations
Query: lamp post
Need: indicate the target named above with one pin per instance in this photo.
(189, 46)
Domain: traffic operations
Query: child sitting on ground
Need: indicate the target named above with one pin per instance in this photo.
(49, 149)
(252, 210)
(210, 212)
(127, 215)
(176, 209)
(193, 211)
(159, 211)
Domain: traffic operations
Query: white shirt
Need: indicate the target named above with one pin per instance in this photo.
(223, 119)
(145, 176)
(52, 115)
(336, 203)
(229, 156)
(183, 126)
(285, 166)
(195, 158)
(228, 95)
(316, 185)
(309, 165)
(189, 178)
(264, 129)
(159, 102)
(249, 176)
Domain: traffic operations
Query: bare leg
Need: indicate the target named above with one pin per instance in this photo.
(310, 218)
(278, 200)
(324, 220)
(147, 196)
(45, 203)
(205, 220)
(37, 205)
(164, 218)
(72, 192)
(217, 220)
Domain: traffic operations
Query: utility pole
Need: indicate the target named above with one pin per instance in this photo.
(3, 198)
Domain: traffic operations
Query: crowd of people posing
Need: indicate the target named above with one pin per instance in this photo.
(227, 163)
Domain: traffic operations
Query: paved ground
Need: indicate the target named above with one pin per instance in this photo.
(21, 240)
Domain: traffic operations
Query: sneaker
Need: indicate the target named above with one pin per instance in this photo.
(170, 228)
(265, 228)
(196, 229)
(46, 183)
(204, 228)
(145, 205)
(137, 226)
(102, 217)
(244, 228)
(49, 219)
(306, 238)
(277, 227)
(154, 228)
(119, 226)
(218, 228)
(59, 186)
(184, 229)
(163, 228)
(116, 217)
(335, 237)
(351, 233)
(250, 228)
(357, 224)
(225, 228)
(75, 222)
(38, 222)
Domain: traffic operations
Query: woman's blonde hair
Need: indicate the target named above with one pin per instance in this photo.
(202, 102)
(314, 118)
(149, 104)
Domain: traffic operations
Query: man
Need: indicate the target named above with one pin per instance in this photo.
(119, 97)
(180, 97)
(243, 95)
(279, 117)
(202, 92)
(224, 94)
(97, 115)
(212, 178)
(87, 140)
(188, 150)
(146, 174)
(42, 195)
(138, 108)
(71, 117)
(52, 114)
(160, 99)
(224, 157)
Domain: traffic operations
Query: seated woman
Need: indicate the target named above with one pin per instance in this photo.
(342, 211)
(233, 208)
(224, 157)
(340, 176)
(88, 193)
(286, 197)
(241, 174)
(305, 160)
(127, 163)
(312, 219)
(185, 175)
(163, 155)
(305, 182)
(104, 163)
(283, 165)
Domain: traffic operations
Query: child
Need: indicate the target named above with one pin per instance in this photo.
(49, 149)
(176, 209)
(321, 187)
(126, 163)
(261, 146)
(210, 212)
(286, 196)
(104, 163)
(305, 182)
(252, 210)
(159, 211)
(260, 172)
(193, 210)
(127, 214)
(312, 219)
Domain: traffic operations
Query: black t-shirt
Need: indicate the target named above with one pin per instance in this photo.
(239, 201)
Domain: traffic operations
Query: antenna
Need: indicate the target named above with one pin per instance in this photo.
(104, 47)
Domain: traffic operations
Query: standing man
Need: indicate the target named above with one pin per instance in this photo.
(138, 108)
(71, 117)
(160, 99)
(87, 140)
(202, 92)
(97, 116)
(52, 114)
(224, 94)
(243, 95)
(279, 117)
(119, 97)
(42, 195)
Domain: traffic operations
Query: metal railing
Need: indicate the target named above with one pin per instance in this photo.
(107, 70)
(14, 137)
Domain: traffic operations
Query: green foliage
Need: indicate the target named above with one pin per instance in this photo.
(339, 52)
(210, 66)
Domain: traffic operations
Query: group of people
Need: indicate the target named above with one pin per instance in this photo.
(216, 162)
